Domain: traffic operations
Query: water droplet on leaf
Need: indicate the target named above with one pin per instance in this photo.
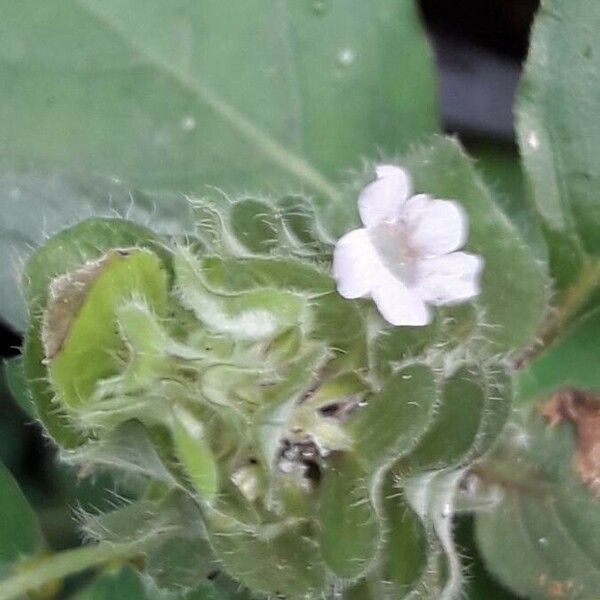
(188, 123)
(533, 141)
(346, 57)
(319, 7)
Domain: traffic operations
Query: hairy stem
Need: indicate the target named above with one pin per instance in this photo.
(570, 304)
(43, 571)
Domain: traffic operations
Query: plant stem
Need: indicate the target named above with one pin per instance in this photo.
(43, 571)
(573, 299)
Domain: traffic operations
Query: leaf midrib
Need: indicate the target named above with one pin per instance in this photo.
(270, 148)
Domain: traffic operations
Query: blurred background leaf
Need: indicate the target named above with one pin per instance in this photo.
(542, 538)
(559, 136)
(123, 584)
(479, 584)
(20, 533)
(572, 362)
(189, 93)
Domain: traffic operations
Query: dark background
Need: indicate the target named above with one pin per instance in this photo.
(500, 26)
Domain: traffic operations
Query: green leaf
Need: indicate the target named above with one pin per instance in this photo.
(512, 277)
(20, 533)
(255, 225)
(252, 315)
(474, 405)
(501, 166)
(559, 133)
(124, 583)
(394, 419)
(222, 587)
(349, 532)
(571, 362)
(273, 559)
(72, 247)
(406, 543)
(128, 448)
(14, 374)
(234, 275)
(177, 554)
(66, 252)
(208, 591)
(195, 454)
(37, 204)
(480, 585)
(162, 95)
(419, 559)
(542, 538)
(87, 349)
(432, 497)
(182, 563)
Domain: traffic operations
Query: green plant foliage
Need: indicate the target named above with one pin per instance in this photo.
(36, 204)
(14, 375)
(558, 131)
(540, 539)
(275, 439)
(349, 534)
(195, 455)
(177, 554)
(502, 169)
(92, 336)
(512, 277)
(313, 449)
(540, 536)
(20, 533)
(69, 249)
(124, 583)
(140, 93)
(406, 541)
(571, 362)
(163, 96)
(473, 410)
(388, 426)
(480, 584)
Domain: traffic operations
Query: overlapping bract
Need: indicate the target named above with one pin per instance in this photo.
(292, 437)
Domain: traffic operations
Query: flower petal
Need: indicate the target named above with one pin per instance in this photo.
(449, 279)
(436, 227)
(355, 264)
(398, 304)
(382, 198)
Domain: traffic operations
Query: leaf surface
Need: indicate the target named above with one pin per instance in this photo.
(559, 133)
(184, 94)
(20, 533)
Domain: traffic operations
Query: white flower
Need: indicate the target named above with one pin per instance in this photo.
(405, 256)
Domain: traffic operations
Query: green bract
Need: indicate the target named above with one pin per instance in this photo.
(286, 436)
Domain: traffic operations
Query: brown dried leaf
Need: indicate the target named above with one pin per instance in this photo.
(582, 409)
